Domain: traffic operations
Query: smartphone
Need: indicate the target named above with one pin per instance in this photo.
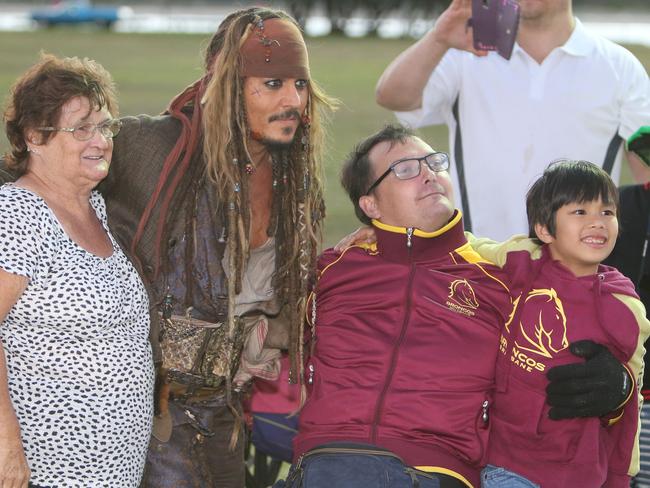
(495, 24)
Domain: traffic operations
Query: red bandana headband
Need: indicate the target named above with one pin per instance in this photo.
(274, 48)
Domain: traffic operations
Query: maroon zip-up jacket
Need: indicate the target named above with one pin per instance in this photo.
(407, 333)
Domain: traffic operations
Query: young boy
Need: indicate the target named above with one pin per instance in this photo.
(563, 295)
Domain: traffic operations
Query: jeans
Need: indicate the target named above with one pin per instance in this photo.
(495, 477)
(345, 468)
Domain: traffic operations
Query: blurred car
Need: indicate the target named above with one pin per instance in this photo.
(79, 12)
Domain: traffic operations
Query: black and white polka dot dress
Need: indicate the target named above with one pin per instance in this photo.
(78, 358)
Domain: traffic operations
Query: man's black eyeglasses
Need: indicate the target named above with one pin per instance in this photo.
(408, 168)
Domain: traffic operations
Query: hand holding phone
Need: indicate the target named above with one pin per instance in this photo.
(494, 24)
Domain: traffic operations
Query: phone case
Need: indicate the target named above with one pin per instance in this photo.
(484, 24)
(507, 25)
(494, 24)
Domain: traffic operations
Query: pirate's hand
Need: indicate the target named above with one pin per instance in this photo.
(592, 388)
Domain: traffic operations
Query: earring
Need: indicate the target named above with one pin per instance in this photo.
(306, 126)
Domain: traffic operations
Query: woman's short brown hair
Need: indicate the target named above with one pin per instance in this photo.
(36, 99)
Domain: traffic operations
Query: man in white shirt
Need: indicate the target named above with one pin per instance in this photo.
(565, 93)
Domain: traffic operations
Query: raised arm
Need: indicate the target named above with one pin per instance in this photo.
(14, 471)
(401, 85)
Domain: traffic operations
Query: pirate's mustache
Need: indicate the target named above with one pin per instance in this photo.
(286, 115)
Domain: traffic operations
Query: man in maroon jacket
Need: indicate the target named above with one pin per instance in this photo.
(405, 333)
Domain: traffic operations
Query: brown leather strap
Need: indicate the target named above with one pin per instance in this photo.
(178, 390)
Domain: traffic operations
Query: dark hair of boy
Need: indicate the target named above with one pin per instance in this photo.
(566, 181)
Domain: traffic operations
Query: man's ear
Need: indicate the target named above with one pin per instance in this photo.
(368, 204)
(543, 234)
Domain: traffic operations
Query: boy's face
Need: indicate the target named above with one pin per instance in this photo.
(585, 234)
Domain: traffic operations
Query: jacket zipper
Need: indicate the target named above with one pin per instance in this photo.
(485, 417)
(407, 313)
(482, 422)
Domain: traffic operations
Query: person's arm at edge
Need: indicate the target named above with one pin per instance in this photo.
(14, 471)
(633, 87)
(402, 83)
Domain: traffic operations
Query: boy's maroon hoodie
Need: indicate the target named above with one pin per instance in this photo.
(554, 308)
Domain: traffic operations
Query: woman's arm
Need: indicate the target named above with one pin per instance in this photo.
(14, 471)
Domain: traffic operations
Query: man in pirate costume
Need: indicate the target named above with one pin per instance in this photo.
(219, 201)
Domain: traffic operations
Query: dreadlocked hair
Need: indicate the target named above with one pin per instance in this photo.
(298, 207)
(217, 121)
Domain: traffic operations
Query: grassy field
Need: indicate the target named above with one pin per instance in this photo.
(151, 69)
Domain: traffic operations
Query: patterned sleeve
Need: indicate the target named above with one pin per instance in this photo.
(98, 203)
(21, 231)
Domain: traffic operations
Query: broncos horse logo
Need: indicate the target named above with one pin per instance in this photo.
(546, 333)
(461, 292)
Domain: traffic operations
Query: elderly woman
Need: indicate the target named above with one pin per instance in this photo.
(76, 373)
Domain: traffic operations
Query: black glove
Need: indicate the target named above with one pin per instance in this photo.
(590, 389)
